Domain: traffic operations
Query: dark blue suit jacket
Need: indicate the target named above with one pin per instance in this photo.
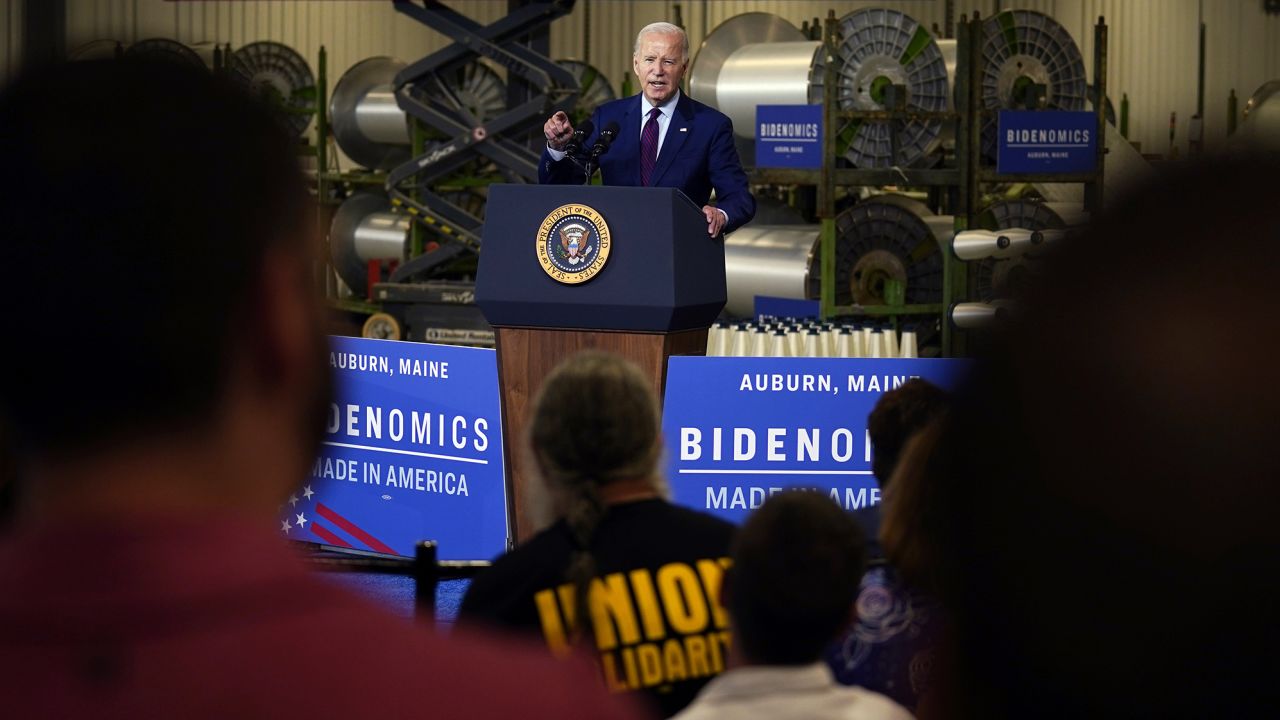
(697, 155)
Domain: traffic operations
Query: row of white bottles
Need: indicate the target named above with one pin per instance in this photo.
(781, 338)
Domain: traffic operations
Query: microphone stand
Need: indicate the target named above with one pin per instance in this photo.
(589, 158)
(588, 164)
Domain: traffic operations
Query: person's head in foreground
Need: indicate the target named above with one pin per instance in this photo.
(660, 58)
(158, 220)
(166, 397)
(897, 415)
(596, 439)
(797, 564)
(1113, 476)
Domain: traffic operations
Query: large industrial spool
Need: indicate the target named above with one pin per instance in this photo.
(280, 76)
(881, 48)
(994, 279)
(164, 49)
(104, 49)
(363, 230)
(1021, 49)
(888, 237)
(369, 125)
(595, 88)
(755, 59)
(761, 59)
(771, 260)
(1260, 124)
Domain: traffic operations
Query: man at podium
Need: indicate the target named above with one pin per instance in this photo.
(660, 138)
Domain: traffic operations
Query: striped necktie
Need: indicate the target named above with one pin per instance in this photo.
(649, 147)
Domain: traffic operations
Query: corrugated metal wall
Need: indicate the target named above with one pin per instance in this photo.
(10, 38)
(1153, 43)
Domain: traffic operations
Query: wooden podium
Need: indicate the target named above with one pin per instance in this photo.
(660, 288)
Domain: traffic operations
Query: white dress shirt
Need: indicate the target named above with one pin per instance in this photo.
(779, 692)
(668, 109)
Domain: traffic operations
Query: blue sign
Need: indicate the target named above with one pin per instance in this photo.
(412, 451)
(769, 306)
(740, 429)
(1047, 141)
(789, 136)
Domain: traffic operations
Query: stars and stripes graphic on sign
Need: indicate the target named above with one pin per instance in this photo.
(305, 518)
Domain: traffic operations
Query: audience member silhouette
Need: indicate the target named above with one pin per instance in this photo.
(1110, 547)
(897, 415)
(164, 394)
(648, 570)
(796, 567)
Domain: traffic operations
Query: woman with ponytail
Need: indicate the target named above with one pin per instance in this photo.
(648, 572)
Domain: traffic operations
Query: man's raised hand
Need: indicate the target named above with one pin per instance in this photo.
(557, 130)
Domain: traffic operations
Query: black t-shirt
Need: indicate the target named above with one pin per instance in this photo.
(659, 627)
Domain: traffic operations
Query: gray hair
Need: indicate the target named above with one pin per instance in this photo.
(664, 28)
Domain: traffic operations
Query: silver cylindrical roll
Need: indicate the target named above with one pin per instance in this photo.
(368, 125)
(764, 74)
(997, 275)
(365, 229)
(380, 236)
(948, 49)
(755, 59)
(773, 260)
(976, 315)
(371, 128)
(380, 119)
(979, 244)
(1260, 124)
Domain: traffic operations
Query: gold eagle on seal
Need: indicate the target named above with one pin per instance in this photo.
(574, 239)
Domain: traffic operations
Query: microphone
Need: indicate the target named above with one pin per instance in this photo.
(607, 135)
(584, 130)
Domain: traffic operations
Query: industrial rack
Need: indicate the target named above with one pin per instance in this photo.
(965, 179)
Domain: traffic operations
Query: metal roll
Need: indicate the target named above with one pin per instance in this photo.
(367, 123)
(1000, 244)
(977, 316)
(365, 229)
(948, 48)
(890, 237)
(764, 74)
(595, 87)
(207, 50)
(1260, 125)
(282, 77)
(773, 260)
(754, 59)
(380, 119)
(169, 50)
(881, 48)
(996, 277)
(1262, 96)
(1023, 48)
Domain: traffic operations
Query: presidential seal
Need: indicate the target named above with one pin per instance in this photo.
(573, 244)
